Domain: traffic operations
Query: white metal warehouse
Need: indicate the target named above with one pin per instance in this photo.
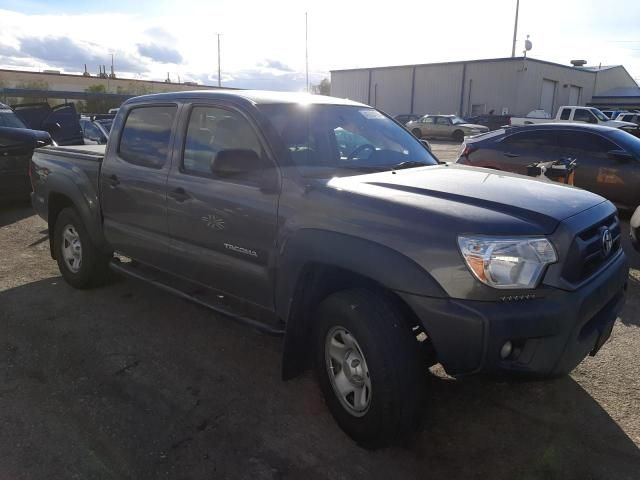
(503, 85)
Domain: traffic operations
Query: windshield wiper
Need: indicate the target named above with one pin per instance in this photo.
(408, 164)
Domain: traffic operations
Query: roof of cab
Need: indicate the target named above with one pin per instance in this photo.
(258, 97)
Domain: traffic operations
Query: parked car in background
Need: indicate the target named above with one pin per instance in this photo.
(573, 114)
(608, 158)
(407, 117)
(61, 122)
(95, 132)
(613, 114)
(450, 127)
(373, 262)
(8, 117)
(16, 147)
(492, 122)
(633, 117)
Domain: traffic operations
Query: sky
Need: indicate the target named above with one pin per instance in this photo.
(263, 42)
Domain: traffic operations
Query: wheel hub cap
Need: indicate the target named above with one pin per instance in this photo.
(348, 371)
(71, 248)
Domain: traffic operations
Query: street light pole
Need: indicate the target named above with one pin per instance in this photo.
(515, 30)
(219, 79)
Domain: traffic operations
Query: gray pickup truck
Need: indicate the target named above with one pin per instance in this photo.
(327, 222)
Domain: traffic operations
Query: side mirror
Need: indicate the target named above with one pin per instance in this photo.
(425, 144)
(21, 141)
(244, 164)
(620, 156)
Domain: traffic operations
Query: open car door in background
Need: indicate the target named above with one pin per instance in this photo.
(61, 121)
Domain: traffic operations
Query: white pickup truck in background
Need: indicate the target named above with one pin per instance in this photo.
(570, 114)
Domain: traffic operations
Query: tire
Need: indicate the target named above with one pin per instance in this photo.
(388, 356)
(81, 264)
(417, 133)
(458, 136)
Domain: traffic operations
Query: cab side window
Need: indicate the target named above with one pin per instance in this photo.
(146, 135)
(533, 141)
(566, 113)
(214, 133)
(583, 115)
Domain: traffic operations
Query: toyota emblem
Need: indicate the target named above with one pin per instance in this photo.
(607, 242)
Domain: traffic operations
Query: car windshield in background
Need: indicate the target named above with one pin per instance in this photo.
(340, 138)
(106, 124)
(457, 120)
(599, 115)
(10, 119)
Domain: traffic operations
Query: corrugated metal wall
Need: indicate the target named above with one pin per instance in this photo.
(351, 84)
(612, 78)
(437, 88)
(391, 89)
(512, 84)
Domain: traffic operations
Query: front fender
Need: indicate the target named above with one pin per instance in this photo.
(377, 262)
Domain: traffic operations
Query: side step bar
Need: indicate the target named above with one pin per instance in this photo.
(124, 269)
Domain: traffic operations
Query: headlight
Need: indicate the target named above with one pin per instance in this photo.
(507, 262)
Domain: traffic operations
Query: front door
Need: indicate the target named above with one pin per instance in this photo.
(133, 182)
(222, 229)
(597, 172)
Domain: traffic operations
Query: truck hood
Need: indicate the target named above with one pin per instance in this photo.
(474, 195)
(618, 124)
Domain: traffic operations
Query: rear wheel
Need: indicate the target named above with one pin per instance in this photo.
(417, 133)
(81, 264)
(368, 365)
(458, 136)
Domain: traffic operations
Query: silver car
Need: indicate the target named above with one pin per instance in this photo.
(444, 126)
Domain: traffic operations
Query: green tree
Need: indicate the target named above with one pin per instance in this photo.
(99, 104)
(323, 88)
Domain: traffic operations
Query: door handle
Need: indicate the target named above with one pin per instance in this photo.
(113, 180)
(179, 195)
(511, 155)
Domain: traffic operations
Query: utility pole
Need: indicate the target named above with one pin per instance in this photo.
(306, 47)
(219, 79)
(515, 30)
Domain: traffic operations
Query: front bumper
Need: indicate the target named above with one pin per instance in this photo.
(550, 335)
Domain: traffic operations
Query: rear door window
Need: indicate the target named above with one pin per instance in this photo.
(146, 135)
(566, 113)
(586, 142)
(531, 140)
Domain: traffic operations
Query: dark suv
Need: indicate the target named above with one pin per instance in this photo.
(608, 158)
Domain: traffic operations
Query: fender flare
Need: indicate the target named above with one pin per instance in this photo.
(383, 265)
(84, 199)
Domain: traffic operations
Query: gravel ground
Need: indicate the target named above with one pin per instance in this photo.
(126, 382)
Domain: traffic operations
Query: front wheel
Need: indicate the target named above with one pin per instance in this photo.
(81, 263)
(368, 366)
(458, 136)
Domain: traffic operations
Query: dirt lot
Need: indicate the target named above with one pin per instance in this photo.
(128, 382)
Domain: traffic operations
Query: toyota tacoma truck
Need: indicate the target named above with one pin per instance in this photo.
(372, 259)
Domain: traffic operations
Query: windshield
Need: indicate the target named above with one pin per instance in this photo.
(457, 120)
(599, 115)
(10, 119)
(340, 137)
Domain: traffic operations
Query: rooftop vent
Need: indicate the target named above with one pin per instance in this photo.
(57, 72)
(578, 63)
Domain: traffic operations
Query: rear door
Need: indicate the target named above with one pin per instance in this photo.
(223, 229)
(524, 148)
(597, 172)
(442, 127)
(133, 183)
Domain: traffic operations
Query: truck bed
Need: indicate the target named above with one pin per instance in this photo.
(85, 152)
